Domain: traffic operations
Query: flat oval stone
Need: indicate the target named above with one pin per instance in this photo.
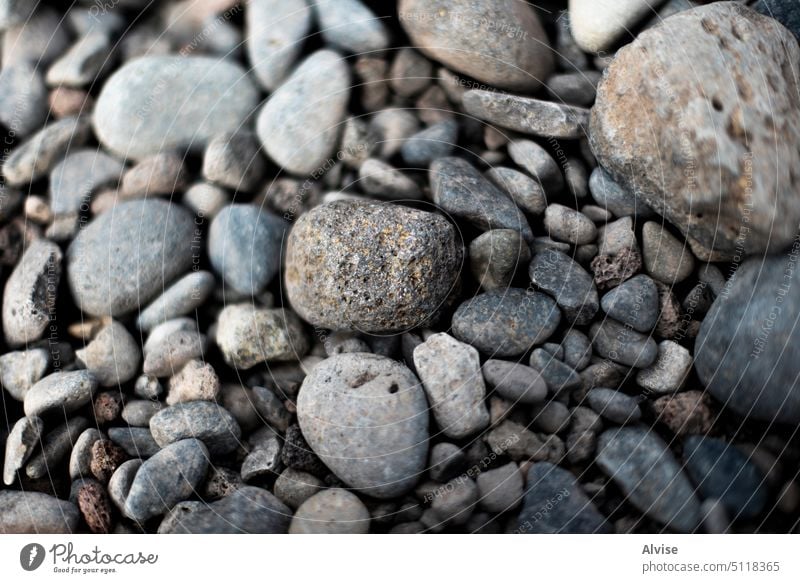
(515, 382)
(202, 420)
(570, 284)
(506, 323)
(615, 406)
(36, 513)
(166, 102)
(366, 417)
(635, 303)
(645, 470)
(499, 42)
(181, 298)
(400, 266)
(746, 351)
(171, 475)
(126, 256)
(60, 391)
(622, 344)
(78, 176)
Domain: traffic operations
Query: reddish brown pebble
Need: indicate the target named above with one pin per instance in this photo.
(611, 270)
(106, 458)
(95, 508)
(686, 413)
(671, 323)
(65, 102)
(107, 406)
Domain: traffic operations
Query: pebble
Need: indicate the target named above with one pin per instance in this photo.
(39, 154)
(264, 458)
(565, 280)
(393, 126)
(234, 161)
(495, 257)
(446, 461)
(20, 444)
(206, 200)
(113, 356)
(665, 258)
(66, 102)
(244, 247)
(179, 299)
(526, 192)
(351, 26)
(294, 487)
(685, 413)
(743, 353)
(120, 483)
(247, 510)
(634, 303)
(614, 198)
(122, 259)
(614, 405)
(506, 323)
(649, 476)
(147, 387)
(77, 177)
(643, 162)
(80, 459)
(82, 63)
(550, 417)
(501, 43)
(196, 381)
(19, 371)
(56, 447)
(299, 124)
(247, 335)
(527, 115)
(577, 349)
(452, 504)
(514, 381)
(514, 440)
(107, 406)
(202, 420)
(39, 40)
(271, 408)
(722, 472)
(155, 175)
(450, 372)
(784, 11)
(501, 489)
(538, 162)
(555, 503)
(51, 515)
(135, 441)
(106, 457)
(170, 476)
(622, 344)
(382, 180)
(385, 447)
(574, 88)
(334, 511)
(434, 142)
(60, 391)
(137, 114)
(167, 355)
(568, 225)
(138, 412)
(408, 258)
(559, 376)
(669, 371)
(23, 99)
(461, 190)
(410, 73)
(95, 507)
(275, 32)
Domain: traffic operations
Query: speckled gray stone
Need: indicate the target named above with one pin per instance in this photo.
(121, 480)
(36, 513)
(506, 323)
(203, 420)
(136, 441)
(622, 344)
(514, 381)
(244, 247)
(20, 444)
(669, 371)
(408, 259)
(559, 376)
(634, 302)
(570, 284)
(169, 102)
(165, 479)
(80, 458)
(366, 417)
(334, 511)
(382, 180)
(568, 225)
(60, 391)
(31, 292)
(125, 257)
(113, 356)
(179, 299)
(496, 255)
(577, 349)
(461, 190)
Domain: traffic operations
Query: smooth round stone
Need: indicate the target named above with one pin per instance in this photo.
(125, 257)
(294, 487)
(247, 510)
(181, 298)
(436, 141)
(23, 98)
(138, 412)
(665, 258)
(495, 257)
(558, 375)
(19, 371)
(634, 302)
(526, 192)
(60, 391)
(515, 382)
(334, 511)
(29, 299)
(135, 441)
(234, 161)
(745, 353)
(624, 345)
(732, 202)
(382, 405)
(568, 225)
(166, 102)
(506, 323)
(299, 124)
(170, 476)
(78, 176)
(499, 42)
(723, 472)
(202, 420)
(577, 349)
(615, 406)
(244, 247)
(640, 463)
(80, 459)
(538, 162)
(113, 356)
(36, 513)
(351, 26)
(500, 489)
(570, 284)
(120, 483)
(555, 503)
(598, 24)
(403, 265)
(575, 88)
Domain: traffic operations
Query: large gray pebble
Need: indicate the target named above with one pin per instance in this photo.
(634, 302)
(136, 441)
(570, 284)
(113, 356)
(622, 344)
(244, 247)
(515, 382)
(334, 511)
(435, 141)
(179, 299)
(496, 255)
(366, 417)
(299, 124)
(162, 103)
(36, 513)
(60, 391)
(165, 479)
(124, 257)
(203, 420)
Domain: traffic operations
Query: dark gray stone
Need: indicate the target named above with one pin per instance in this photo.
(614, 198)
(514, 381)
(36, 513)
(635, 303)
(558, 375)
(613, 405)
(78, 176)
(436, 141)
(570, 284)
(577, 349)
(136, 441)
(622, 344)
(526, 192)
(203, 420)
